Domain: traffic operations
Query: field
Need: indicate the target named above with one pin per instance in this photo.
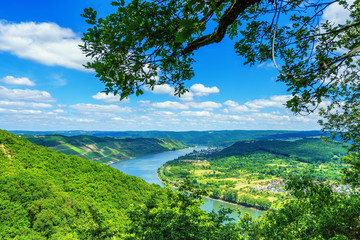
(253, 173)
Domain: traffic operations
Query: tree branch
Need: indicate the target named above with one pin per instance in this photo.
(226, 19)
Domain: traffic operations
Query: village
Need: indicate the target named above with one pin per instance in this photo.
(278, 185)
(271, 186)
(207, 151)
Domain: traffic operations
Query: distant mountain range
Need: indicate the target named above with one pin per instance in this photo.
(209, 138)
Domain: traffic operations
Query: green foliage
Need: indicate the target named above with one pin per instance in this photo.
(106, 149)
(315, 212)
(241, 173)
(180, 219)
(47, 195)
(305, 150)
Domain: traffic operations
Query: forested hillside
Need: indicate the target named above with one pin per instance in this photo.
(308, 150)
(45, 194)
(106, 149)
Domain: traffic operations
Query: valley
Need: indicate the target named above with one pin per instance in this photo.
(69, 196)
(252, 173)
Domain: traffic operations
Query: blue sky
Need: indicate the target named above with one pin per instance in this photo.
(43, 85)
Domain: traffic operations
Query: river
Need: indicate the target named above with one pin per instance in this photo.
(146, 167)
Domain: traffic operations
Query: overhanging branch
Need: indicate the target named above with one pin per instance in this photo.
(226, 19)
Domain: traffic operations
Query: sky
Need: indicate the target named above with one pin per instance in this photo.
(43, 85)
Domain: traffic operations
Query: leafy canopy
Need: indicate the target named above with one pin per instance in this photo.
(149, 43)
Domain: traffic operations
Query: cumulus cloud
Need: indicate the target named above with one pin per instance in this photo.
(188, 96)
(13, 111)
(27, 94)
(59, 111)
(163, 113)
(109, 98)
(17, 81)
(122, 119)
(86, 107)
(274, 101)
(336, 13)
(195, 114)
(279, 119)
(20, 104)
(236, 107)
(200, 90)
(205, 105)
(45, 43)
(84, 120)
(169, 105)
(195, 90)
(163, 89)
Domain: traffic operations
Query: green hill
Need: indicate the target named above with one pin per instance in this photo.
(106, 149)
(308, 150)
(46, 194)
(251, 172)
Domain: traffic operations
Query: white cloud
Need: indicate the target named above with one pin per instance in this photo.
(122, 119)
(86, 107)
(20, 104)
(17, 81)
(195, 114)
(169, 105)
(163, 113)
(59, 111)
(188, 96)
(27, 94)
(336, 13)
(279, 119)
(274, 101)
(58, 81)
(195, 90)
(12, 111)
(45, 43)
(205, 105)
(224, 117)
(109, 98)
(84, 120)
(200, 90)
(236, 107)
(163, 89)
(145, 118)
(266, 65)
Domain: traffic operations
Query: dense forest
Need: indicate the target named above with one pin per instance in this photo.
(208, 138)
(106, 149)
(252, 173)
(45, 194)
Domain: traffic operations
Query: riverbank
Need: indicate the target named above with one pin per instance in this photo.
(214, 199)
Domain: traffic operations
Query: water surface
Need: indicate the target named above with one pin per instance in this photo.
(146, 167)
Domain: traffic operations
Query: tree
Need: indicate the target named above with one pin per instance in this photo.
(180, 218)
(149, 43)
(314, 212)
